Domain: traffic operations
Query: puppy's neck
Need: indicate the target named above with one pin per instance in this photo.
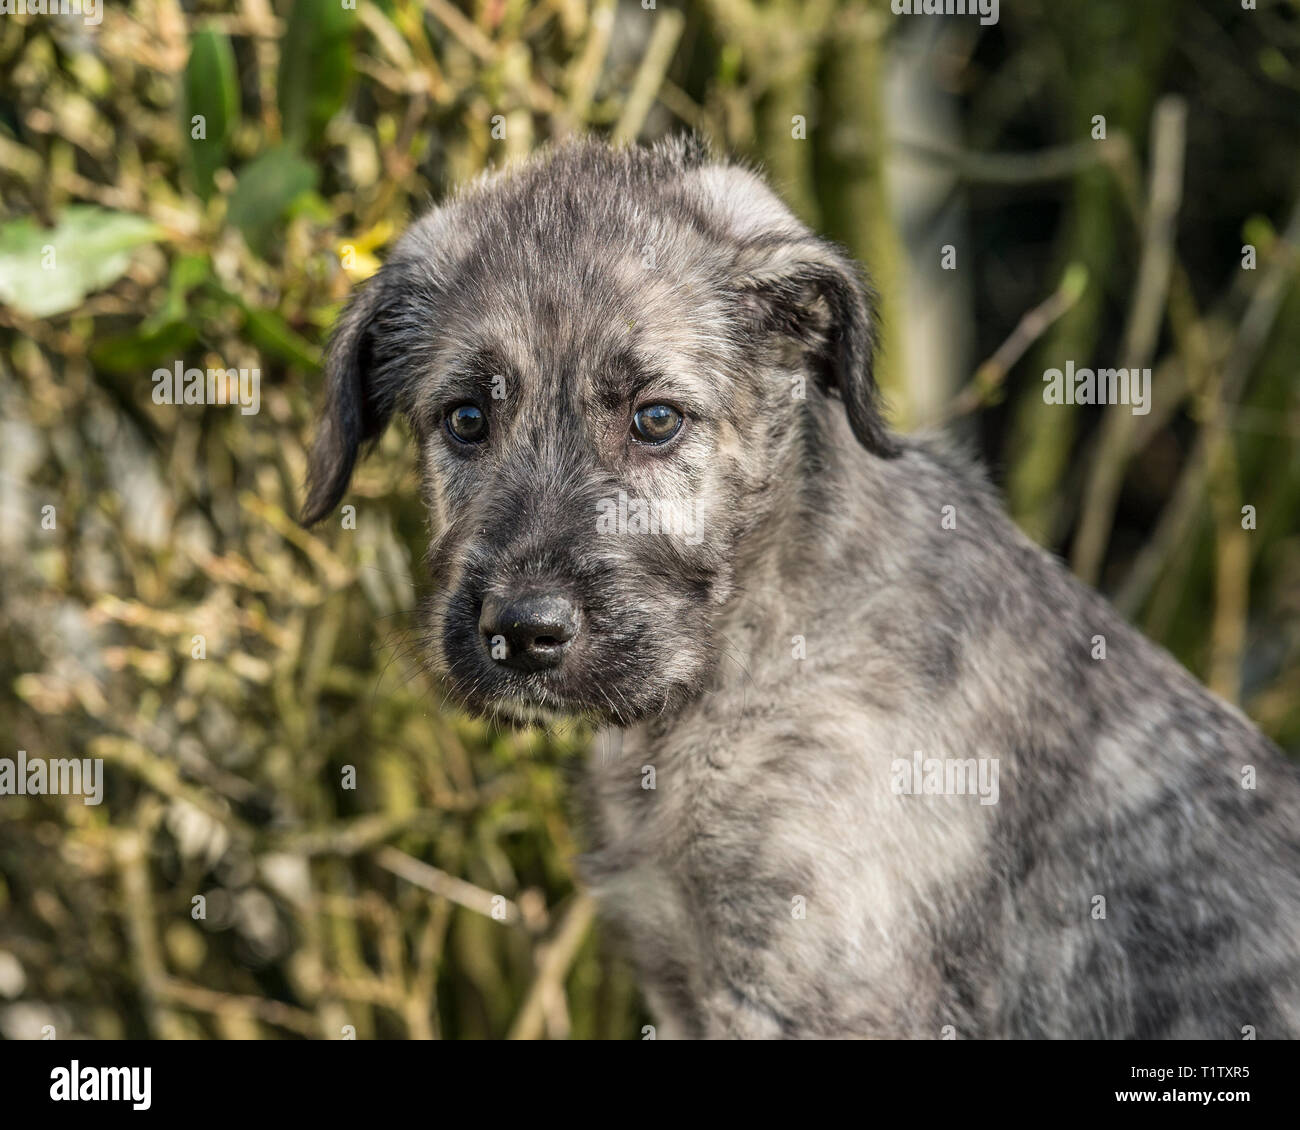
(825, 523)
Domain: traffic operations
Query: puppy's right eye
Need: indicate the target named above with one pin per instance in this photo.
(467, 423)
(656, 424)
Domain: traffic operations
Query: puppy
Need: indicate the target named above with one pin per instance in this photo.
(875, 764)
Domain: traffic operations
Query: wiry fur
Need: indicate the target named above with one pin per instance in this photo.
(597, 280)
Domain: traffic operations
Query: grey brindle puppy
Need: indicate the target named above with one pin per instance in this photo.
(600, 330)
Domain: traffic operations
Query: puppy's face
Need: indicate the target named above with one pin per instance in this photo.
(607, 359)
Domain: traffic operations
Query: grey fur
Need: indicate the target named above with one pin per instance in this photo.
(594, 280)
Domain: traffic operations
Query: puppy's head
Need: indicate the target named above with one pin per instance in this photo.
(611, 360)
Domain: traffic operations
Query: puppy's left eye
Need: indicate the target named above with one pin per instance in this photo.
(656, 423)
(467, 423)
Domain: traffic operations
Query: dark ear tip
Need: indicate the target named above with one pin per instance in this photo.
(309, 516)
(329, 466)
(313, 509)
(880, 443)
(886, 446)
(869, 427)
(322, 496)
(323, 493)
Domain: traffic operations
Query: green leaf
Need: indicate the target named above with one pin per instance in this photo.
(188, 272)
(143, 348)
(210, 90)
(272, 334)
(46, 271)
(267, 187)
(315, 69)
(1260, 233)
(314, 207)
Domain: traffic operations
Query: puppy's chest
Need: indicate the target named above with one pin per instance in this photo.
(677, 816)
(747, 899)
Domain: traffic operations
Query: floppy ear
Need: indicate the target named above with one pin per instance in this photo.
(804, 288)
(361, 393)
(789, 281)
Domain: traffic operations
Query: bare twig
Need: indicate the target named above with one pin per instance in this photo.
(347, 838)
(199, 999)
(650, 75)
(1181, 512)
(1057, 163)
(990, 375)
(554, 962)
(462, 29)
(447, 886)
(1113, 450)
(585, 74)
(130, 854)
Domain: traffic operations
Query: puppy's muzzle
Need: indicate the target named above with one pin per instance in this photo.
(529, 632)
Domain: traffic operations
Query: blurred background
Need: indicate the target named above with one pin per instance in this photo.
(294, 838)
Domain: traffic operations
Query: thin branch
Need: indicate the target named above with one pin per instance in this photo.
(447, 886)
(1056, 163)
(585, 74)
(1183, 509)
(650, 75)
(462, 29)
(556, 957)
(198, 999)
(990, 375)
(1114, 448)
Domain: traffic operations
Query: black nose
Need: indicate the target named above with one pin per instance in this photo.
(530, 632)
